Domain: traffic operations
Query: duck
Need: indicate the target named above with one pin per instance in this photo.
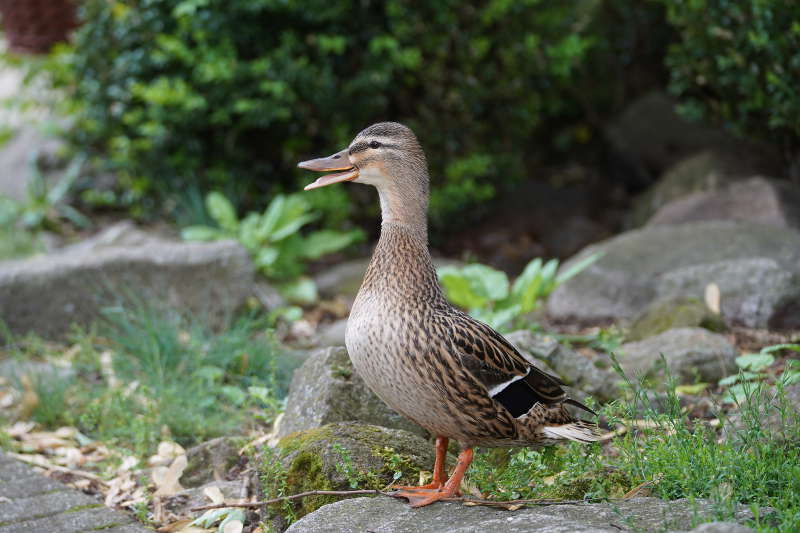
(434, 364)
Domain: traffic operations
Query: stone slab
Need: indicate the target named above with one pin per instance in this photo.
(30, 501)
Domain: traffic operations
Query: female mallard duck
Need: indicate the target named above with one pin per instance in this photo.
(435, 365)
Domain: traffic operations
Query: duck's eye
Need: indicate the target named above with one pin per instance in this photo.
(374, 144)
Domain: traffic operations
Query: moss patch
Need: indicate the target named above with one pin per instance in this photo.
(666, 315)
(340, 456)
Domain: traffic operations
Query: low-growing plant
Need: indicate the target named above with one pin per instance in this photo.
(274, 240)
(754, 367)
(488, 296)
(45, 206)
(156, 371)
(752, 465)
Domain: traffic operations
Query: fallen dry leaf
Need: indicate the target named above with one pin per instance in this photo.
(214, 494)
(8, 397)
(167, 452)
(712, 297)
(107, 369)
(128, 463)
(167, 478)
(20, 428)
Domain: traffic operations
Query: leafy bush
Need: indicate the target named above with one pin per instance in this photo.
(229, 94)
(739, 62)
(488, 296)
(274, 240)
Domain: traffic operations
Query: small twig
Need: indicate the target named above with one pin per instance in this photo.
(470, 501)
(293, 497)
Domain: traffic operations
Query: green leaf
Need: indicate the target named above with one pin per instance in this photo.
(779, 347)
(74, 216)
(497, 319)
(236, 395)
(324, 242)
(790, 377)
(534, 284)
(293, 215)
(233, 514)
(57, 193)
(266, 257)
(289, 227)
(222, 211)
(289, 313)
(736, 394)
(249, 232)
(737, 378)
(211, 517)
(202, 233)
(299, 291)
(269, 220)
(755, 362)
(473, 286)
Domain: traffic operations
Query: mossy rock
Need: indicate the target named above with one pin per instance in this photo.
(338, 457)
(669, 314)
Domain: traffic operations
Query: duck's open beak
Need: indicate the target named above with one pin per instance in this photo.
(338, 161)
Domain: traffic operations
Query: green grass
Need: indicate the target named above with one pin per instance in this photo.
(752, 467)
(173, 377)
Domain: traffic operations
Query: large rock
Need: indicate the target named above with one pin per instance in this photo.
(649, 137)
(691, 354)
(758, 199)
(327, 389)
(576, 370)
(340, 457)
(343, 279)
(705, 171)
(386, 515)
(669, 314)
(47, 294)
(756, 267)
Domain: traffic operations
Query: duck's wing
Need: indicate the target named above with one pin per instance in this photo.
(510, 378)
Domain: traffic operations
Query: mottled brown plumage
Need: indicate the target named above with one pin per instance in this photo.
(434, 364)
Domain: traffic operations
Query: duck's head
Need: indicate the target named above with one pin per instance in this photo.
(387, 156)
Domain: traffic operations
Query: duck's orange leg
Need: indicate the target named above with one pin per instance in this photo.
(438, 468)
(423, 497)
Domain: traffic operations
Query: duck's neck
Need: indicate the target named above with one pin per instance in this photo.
(401, 268)
(404, 203)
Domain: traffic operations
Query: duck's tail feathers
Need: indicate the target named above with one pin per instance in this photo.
(579, 431)
(576, 403)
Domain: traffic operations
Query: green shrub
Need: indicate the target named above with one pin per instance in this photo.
(739, 62)
(178, 95)
(488, 296)
(274, 240)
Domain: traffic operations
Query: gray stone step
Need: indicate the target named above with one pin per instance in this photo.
(30, 501)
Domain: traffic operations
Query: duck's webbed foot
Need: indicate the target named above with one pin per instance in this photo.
(439, 477)
(422, 496)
